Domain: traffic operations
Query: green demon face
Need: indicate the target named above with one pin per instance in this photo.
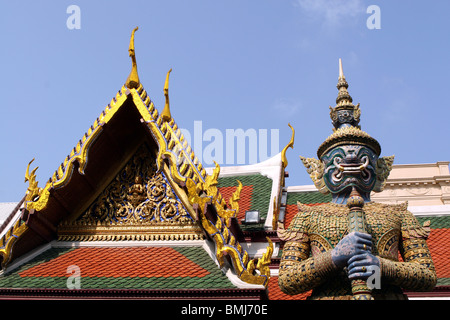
(350, 166)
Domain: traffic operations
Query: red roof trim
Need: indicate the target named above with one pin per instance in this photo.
(440, 291)
(136, 294)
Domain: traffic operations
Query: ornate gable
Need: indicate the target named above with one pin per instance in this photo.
(139, 204)
(107, 190)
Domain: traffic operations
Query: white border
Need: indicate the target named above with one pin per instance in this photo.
(437, 210)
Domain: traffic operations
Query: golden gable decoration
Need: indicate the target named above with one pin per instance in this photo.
(139, 204)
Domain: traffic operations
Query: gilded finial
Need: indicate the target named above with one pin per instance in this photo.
(289, 145)
(133, 78)
(165, 115)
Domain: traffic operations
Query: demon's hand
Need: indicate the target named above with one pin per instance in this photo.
(353, 244)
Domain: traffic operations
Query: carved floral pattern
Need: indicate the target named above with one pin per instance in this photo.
(138, 194)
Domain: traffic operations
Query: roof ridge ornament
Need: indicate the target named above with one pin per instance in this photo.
(133, 79)
(289, 145)
(166, 115)
(33, 190)
(345, 113)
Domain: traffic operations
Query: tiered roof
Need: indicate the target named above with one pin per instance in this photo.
(130, 186)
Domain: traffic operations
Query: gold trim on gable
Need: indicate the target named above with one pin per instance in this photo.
(140, 203)
(80, 231)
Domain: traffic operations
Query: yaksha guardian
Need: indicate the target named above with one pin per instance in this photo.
(336, 248)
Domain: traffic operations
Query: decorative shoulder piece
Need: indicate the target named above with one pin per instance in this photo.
(411, 227)
(382, 170)
(417, 231)
(297, 228)
(315, 169)
(304, 208)
(291, 235)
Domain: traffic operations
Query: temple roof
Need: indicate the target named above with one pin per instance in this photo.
(170, 198)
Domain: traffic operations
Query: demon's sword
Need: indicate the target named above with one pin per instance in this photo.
(357, 223)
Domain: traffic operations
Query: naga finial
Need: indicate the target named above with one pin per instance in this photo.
(133, 78)
(165, 115)
(33, 190)
(289, 145)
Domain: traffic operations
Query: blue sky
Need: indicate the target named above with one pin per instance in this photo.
(236, 64)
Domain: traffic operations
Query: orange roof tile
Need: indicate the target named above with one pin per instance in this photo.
(438, 243)
(276, 294)
(115, 262)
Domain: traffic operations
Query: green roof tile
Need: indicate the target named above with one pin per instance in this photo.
(436, 222)
(309, 197)
(262, 189)
(214, 280)
(443, 282)
(260, 197)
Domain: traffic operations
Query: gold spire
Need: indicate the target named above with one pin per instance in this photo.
(345, 117)
(345, 112)
(165, 115)
(344, 97)
(133, 78)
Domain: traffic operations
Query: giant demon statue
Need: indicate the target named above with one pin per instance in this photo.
(353, 248)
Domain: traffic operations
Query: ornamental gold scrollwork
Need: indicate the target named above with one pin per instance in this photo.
(33, 190)
(225, 242)
(9, 239)
(138, 194)
(35, 198)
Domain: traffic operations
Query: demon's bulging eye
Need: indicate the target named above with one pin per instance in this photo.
(337, 161)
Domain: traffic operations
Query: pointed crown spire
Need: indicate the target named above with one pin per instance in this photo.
(345, 118)
(342, 85)
(345, 113)
(133, 78)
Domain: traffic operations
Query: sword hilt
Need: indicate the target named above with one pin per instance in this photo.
(357, 223)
